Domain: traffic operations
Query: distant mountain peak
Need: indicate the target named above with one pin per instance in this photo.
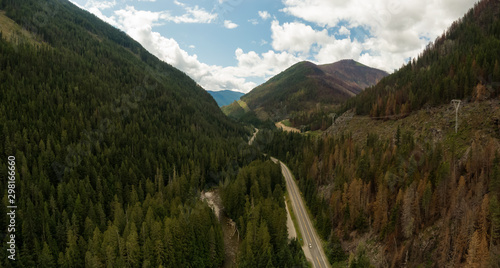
(305, 84)
(225, 97)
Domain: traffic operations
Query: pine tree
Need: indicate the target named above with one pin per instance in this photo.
(334, 249)
(46, 259)
(132, 247)
(72, 256)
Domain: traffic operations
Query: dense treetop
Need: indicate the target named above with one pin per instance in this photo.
(111, 145)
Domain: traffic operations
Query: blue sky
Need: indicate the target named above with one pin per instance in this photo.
(239, 44)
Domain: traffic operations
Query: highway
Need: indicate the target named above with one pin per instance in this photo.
(315, 253)
(309, 234)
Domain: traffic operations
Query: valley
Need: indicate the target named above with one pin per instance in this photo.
(123, 157)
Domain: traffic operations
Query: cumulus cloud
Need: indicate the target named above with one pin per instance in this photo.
(95, 7)
(132, 19)
(139, 24)
(297, 37)
(229, 24)
(264, 15)
(399, 29)
(344, 31)
(339, 49)
(264, 65)
(393, 31)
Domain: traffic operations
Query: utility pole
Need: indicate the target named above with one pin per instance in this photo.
(456, 103)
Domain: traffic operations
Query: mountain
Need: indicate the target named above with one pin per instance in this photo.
(110, 146)
(463, 64)
(305, 85)
(413, 190)
(225, 97)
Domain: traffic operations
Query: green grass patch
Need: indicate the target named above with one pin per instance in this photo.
(316, 133)
(287, 122)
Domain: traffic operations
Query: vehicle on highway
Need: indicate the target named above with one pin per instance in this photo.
(310, 245)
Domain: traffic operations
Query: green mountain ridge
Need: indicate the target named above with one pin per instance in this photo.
(111, 146)
(305, 85)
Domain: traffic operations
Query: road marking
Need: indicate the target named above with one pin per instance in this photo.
(300, 208)
(306, 224)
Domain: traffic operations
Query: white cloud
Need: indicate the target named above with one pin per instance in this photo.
(139, 24)
(179, 3)
(266, 64)
(253, 21)
(344, 31)
(132, 19)
(100, 4)
(397, 30)
(193, 15)
(250, 64)
(229, 24)
(339, 49)
(264, 15)
(297, 37)
(397, 27)
(95, 7)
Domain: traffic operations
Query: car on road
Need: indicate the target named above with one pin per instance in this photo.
(310, 245)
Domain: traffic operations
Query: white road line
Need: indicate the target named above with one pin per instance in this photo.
(303, 219)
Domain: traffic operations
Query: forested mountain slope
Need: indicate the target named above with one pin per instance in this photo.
(463, 63)
(305, 85)
(413, 191)
(408, 192)
(111, 146)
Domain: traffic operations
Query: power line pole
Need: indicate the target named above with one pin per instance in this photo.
(456, 103)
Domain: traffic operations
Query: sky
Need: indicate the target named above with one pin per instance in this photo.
(239, 44)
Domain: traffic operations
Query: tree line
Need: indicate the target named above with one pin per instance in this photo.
(112, 147)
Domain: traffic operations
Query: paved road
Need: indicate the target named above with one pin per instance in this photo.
(306, 227)
(315, 252)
